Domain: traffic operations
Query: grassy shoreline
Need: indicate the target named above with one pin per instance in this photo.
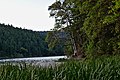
(102, 68)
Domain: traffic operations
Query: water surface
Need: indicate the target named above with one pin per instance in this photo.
(51, 58)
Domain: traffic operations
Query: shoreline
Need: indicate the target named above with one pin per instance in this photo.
(44, 64)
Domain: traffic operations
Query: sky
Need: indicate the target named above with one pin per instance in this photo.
(28, 14)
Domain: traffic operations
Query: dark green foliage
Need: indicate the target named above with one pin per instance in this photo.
(102, 27)
(68, 20)
(94, 25)
(17, 42)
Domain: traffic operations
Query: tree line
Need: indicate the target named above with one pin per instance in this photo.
(18, 42)
(92, 26)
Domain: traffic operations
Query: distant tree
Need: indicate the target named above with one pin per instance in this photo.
(18, 42)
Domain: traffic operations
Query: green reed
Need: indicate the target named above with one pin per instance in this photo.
(102, 68)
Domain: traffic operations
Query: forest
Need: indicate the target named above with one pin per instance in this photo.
(87, 31)
(92, 26)
(18, 42)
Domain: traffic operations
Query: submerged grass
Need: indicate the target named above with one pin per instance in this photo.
(102, 68)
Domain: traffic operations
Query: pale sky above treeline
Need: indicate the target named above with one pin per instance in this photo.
(28, 14)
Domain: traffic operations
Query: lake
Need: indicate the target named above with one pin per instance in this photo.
(43, 59)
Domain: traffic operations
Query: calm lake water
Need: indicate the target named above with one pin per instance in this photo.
(52, 58)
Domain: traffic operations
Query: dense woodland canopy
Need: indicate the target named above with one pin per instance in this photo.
(18, 42)
(93, 26)
(82, 27)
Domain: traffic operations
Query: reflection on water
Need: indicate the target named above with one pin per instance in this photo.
(34, 59)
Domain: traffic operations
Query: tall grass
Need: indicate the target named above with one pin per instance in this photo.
(103, 68)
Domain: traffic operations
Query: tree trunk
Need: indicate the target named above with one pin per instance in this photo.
(76, 45)
(74, 33)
